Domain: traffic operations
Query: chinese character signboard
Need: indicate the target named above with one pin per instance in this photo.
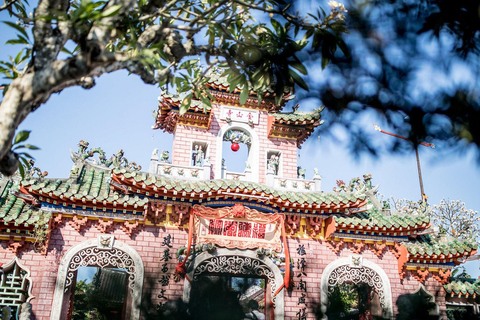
(240, 114)
(238, 227)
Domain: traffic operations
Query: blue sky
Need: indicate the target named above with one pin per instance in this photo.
(117, 114)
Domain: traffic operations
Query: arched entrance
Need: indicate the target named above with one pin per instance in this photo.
(238, 262)
(356, 270)
(253, 152)
(103, 252)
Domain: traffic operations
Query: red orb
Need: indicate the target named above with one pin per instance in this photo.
(235, 146)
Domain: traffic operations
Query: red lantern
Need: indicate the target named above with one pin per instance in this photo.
(235, 146)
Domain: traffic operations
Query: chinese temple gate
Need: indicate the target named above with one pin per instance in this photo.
(269, 234)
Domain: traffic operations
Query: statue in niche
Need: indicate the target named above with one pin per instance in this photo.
(301, 173)
(273, 164)
(199, 156)
(194, 155)
(164, 156)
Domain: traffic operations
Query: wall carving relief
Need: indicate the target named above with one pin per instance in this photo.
(235, 261)
(357, 270)
(102, 252)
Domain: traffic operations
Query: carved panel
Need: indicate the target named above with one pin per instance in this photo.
(157, 212)
(58, 221)
(17, 246)
(357, 275)
(78, 223)
(130, 228)
(94, 256)
(314, 226)
(105, 226)
(442, 275)
(236, 265)
(378, 248)
(292, 224)
(237, 227)
(180, 214)
(421, 275)
(357, 247)
(335, 246)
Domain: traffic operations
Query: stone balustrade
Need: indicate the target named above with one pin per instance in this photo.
(182, 172)
(294, 184)
(236, 176)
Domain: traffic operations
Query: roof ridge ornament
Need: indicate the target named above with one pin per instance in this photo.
(356, 185)
(116, 161)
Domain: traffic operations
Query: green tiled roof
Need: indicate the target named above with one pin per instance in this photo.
(91, 184)
(223, 184)
(299, 115)
(463, 287)
(376, 218)
(15, 210)
(177, 99)
(432, 245)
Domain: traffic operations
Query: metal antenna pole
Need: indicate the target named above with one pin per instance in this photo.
(419, 173)
(431, 145)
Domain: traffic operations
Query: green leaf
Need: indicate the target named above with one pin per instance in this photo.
(111, 11)
(300, 67)
(27, 155)
(244, 94)
(207, 102)
(298, 80)
(185, 104)
(19, 40)
(276, 25)
(27, 146)
(325, 62)
(17, 27)
(235, 81)
(21, 169)
(21, 136)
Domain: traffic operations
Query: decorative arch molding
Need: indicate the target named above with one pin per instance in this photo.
(96, 252)
(354, 269)
(235, 261)
(253, 155)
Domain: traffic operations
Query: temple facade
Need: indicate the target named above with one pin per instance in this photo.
(268, 234)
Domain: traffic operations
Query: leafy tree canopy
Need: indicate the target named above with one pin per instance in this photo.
(70, 43)
(415, 63)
